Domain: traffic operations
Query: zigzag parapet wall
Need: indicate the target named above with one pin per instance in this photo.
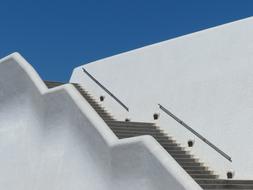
(53, 139)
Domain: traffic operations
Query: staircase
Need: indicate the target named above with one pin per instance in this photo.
(196, 169)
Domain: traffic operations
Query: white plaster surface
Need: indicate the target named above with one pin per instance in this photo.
(53, 139)
(205, 78)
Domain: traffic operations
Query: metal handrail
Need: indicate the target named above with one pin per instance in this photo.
(105, 89)
(195, 133)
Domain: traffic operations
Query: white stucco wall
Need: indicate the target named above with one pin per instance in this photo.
(204, 78)
(53, 139)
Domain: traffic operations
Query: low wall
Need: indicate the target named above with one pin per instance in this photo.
(53, 139)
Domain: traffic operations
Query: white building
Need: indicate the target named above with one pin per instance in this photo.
(173, 115)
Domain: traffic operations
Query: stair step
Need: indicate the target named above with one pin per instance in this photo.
(85, 92)
(173, 148)
(177, 152)
(104, 114)
(224, 181)
(130, 123)
(92, 102)
(184, 160)
(192, 164)
(91, 99)
(181, 156)
(136, 129)
(100, 109)
(165, 141)
(168, 145)
(168, 142)
(200, 168)
(204, 176)
(134, 133)
(130, 126)
(108, 118)
(227, 186)
(199, 172)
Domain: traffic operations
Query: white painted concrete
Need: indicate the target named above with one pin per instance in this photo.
(204, 78)
(53, 139)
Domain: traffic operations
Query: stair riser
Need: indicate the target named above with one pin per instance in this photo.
(204, 172)
(226, 182)
(203, 176)
(221, 186)
(135, 129)
(129, 123)
(135, 135)
(128, 133)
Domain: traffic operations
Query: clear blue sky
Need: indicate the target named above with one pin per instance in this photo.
(56, 36)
